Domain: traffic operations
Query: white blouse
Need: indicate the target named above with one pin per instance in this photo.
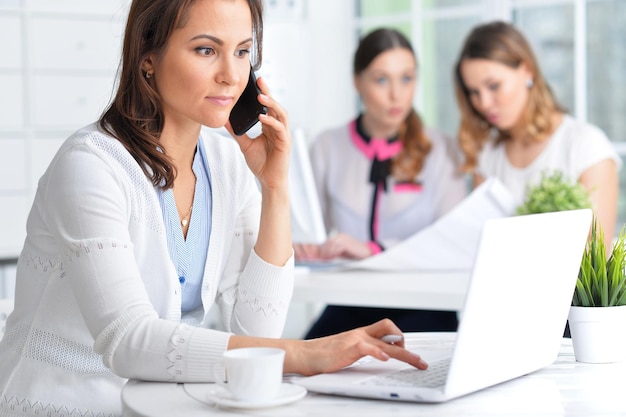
(573, 148)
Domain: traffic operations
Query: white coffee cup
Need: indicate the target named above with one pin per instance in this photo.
(253, 374)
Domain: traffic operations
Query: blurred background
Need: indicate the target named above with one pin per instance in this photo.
(58, 62)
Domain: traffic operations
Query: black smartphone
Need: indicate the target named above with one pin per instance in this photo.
(246, 112)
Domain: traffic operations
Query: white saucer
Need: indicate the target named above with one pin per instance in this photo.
(217, 395)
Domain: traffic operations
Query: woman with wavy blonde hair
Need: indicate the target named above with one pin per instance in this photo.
(513, 128)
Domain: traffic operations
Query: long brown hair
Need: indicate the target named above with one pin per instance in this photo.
(415, 144)
(503, 43)
(135, 116)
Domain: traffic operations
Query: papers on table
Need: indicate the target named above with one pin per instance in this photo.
(451, 242)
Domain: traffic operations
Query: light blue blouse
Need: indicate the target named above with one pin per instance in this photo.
(189, 256)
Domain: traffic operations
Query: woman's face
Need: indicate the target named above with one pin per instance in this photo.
(205, 65)
(498, 92)
(386, 88)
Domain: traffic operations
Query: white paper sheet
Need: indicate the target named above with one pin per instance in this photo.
(451, 242)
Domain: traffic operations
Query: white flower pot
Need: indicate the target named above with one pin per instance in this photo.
(598, 333)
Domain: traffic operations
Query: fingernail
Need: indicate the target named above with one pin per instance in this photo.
(385, 355)
(419, 358)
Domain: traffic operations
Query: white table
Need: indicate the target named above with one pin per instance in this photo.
(565, 388)
(431, 290)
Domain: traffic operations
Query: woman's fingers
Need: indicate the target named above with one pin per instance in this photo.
(343, 245)
(382, 328)
(306, 251)
(276, 118)
(332, 353)
(275, 110)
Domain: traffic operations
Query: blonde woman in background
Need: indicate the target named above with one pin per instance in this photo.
(513, 128)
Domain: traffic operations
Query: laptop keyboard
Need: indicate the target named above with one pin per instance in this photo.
(432, 377)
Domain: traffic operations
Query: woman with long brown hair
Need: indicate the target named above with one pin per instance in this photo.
(141, 224)
(382, 177)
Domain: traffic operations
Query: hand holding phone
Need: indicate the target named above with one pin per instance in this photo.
(247, 109)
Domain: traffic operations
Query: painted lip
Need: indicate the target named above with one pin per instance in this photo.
(396, 111)
(224, 101)
(492, 118)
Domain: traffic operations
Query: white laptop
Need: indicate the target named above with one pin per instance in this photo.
(515, 311)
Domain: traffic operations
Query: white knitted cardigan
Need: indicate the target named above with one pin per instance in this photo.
(98, 299)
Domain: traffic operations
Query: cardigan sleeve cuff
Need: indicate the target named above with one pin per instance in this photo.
(267, 280)
(206, 347)
(262, 298)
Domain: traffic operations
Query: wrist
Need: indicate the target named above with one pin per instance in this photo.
(295, 356)
(277, 192)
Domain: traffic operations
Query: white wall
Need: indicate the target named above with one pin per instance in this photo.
(57, 67)
(308, 63)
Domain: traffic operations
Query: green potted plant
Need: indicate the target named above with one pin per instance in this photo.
(554, 193)
(598, 314)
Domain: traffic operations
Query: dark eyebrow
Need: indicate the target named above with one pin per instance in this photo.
(217, 40)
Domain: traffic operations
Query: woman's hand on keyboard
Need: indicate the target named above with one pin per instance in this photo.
(331, 353)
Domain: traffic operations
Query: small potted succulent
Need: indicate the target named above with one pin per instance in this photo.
(597, 318)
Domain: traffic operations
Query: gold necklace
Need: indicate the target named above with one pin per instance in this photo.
(185, 220)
